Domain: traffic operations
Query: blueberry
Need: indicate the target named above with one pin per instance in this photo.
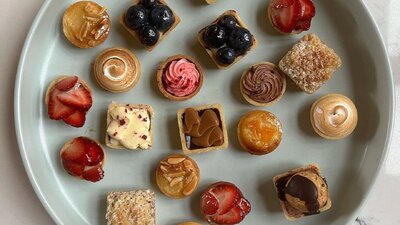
(228, 21)
(136, 17)
(149, 4)
(240, 39)
(149, 35)
(215, 36)
(226, 55)
(161, 17)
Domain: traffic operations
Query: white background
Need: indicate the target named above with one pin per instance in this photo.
(18, 202)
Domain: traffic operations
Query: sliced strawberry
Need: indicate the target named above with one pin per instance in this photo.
(285, 14)
(303, 25)
(209, 204)
(93, 153)
(78, 97)
(74, 151)
(93, 174)
(67, 83)
(73, 169)
(307, 9)
(77, 119)
(244, 205)
(227, 195)
(56, 109)
(233, 216)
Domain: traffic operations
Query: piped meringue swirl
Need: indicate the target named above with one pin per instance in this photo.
(263, 83)
(181, 78)
(334, 116)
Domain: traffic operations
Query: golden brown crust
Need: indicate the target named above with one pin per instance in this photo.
(86, 24)
(251, 101)
(211, 1)
(128, 81)
(212, 52)
(290, 212)
(181, 126)
(55, 81)
(163, 35)
(259, 132)
(177, 176)
(160, 73)
(189, 223)
(310, 63)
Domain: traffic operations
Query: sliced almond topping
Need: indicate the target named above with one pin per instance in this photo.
(103, 9)
(169, 179)
(175, 181)
(85, 32)
(174, 161)
(176, 174)
(188, 164)
(91, 19)
(190, 178)
(165, 163)
(164, 169)
(101, 31)
(190, 187)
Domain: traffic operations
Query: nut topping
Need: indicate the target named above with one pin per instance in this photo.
(176, 181)
(175, 161)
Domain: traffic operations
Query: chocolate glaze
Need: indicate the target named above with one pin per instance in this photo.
(304, 189)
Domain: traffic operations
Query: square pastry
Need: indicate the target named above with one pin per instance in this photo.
(129, 126)
(131, 208)
(302, 192)
(227, 39)
(202, 129)
(149, 23)
(310, 63)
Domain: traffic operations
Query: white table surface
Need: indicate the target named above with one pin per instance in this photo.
(19, 204)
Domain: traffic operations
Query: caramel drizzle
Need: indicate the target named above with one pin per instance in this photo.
(204, 130)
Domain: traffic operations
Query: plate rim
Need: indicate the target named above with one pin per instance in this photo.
(38, 190)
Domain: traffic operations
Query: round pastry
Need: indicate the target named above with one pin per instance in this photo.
(83, 158)
(86, 24)
(334, 116)
(189, 223)
(259, 132)
(117, 70)
(179, 78)
(177, 176)
(263, 84)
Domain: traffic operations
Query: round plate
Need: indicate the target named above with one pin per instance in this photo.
(350, 165)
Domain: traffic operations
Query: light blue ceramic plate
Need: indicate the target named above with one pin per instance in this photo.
(350, 165)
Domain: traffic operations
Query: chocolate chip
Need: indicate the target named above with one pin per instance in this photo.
(121, 122)
(144, 137)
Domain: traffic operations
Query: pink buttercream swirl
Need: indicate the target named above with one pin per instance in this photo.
(181, 78)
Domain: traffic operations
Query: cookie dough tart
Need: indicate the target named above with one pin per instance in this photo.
(334, 116)
(263, 84)
(179, 77)
(177, 176)
(259, 132)
(117, 70)
(86, 24)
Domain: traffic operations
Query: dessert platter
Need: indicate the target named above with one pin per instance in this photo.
(144, 112)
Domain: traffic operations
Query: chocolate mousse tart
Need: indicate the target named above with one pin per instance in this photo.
(117, 70)
(263, 84)
(179, 78)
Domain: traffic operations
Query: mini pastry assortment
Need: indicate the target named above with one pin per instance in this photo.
(202, 129)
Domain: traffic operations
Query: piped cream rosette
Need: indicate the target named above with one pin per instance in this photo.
(334, 116)
(117, 70)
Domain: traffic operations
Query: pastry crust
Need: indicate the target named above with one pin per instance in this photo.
(259, 132)
(177, 176)
(130, 76)
(255, 103)
(162, 34)
(189, 223)
(290, 212)
(160, 72)
(86, 24)
(310, 63)
(55, 81)
(211, 1)
(212, 52)
(150, 113)
(182, 135)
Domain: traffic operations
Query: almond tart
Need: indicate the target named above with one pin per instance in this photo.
(179, 78)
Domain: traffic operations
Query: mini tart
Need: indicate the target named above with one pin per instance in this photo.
(263, 84)
(135, 34)
(212, 52)
(273, 24)
(117, 70)
(86, 24)
(162, 85)
(55, 81)
(259, 132)
(333, 116)
(189, 223)
(177, 176)
(211, 119)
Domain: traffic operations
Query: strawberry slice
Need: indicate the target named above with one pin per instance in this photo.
(307, 9)
(56, 109)
(78, 97)
(93, 153)
(209, 204)
(303, 25)
(244, 205)
(234, 216)
(93, 174)
(67, 83)
(226, 195)
(74, 151)
(73, 169)
(77, 119)
(285, 14)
